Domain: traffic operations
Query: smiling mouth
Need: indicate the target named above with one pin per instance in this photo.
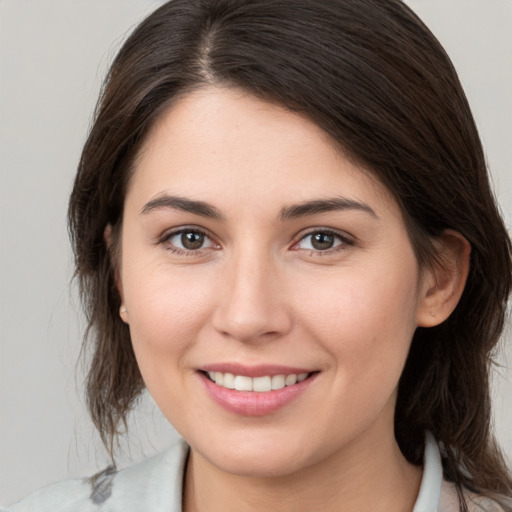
(258, 384)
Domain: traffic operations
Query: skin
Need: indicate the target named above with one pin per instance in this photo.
(258, 292)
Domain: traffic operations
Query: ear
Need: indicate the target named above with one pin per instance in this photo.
(443, 282)
(108, 237)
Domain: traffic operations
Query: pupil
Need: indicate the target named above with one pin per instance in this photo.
(322, 241)
(192, 240)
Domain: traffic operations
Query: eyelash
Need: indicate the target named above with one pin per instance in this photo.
(343, 239)
(165, 240)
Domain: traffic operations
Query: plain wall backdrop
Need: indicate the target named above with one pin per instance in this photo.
(53, 55)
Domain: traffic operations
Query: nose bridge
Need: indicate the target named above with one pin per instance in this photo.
(252, 305)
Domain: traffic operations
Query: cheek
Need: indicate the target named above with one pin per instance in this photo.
(166, 313)
(364, 320)
(167, 309)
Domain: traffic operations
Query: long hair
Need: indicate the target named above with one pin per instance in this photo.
(374, 78)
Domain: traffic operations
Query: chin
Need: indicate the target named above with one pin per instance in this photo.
(271, 466)
(265, 458)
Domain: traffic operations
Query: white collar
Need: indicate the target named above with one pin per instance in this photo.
(432, 480)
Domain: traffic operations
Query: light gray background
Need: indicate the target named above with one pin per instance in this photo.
(53, 55)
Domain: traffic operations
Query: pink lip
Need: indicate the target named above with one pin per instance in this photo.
(253, 403)
(254, 371)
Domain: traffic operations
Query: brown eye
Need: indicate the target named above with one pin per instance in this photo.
(188, 240)
(192, 240)
(322, 241)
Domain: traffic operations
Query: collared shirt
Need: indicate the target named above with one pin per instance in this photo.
(155, 485)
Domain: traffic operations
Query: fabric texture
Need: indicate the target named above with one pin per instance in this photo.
(155, 485)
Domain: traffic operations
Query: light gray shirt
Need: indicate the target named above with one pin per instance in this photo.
(155, 485)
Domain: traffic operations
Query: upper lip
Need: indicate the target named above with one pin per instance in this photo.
(253, 371)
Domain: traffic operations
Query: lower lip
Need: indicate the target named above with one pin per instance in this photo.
(254, 403)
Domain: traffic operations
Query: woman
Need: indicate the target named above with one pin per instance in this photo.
(283, 228)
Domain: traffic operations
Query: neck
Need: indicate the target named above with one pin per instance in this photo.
(364, 476)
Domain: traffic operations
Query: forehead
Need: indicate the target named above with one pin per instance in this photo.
(219, 142)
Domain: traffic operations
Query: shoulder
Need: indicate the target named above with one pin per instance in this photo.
(440, 495)
(65, 495)
(475, 503)
(143, 486)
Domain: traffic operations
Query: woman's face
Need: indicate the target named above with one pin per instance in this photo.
(256, 255)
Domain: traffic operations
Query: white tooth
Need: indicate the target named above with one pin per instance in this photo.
(301, 377)
(278, 382)
(243, 383)
(212, 376)
(262, 383)
(229, 381)
(219, 377)
(291, 379)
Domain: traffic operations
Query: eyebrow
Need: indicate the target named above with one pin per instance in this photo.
(287, 213)
(186, 205)
(324, 205)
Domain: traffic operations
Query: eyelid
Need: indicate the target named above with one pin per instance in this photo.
(346, 239)
(169, 233)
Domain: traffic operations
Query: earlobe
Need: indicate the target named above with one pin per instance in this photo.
(108, 237)
(123, 313)
(443, 283)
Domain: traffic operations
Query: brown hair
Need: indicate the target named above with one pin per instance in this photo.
(378, 82)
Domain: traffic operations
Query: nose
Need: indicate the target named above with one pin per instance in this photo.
(253, 303)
